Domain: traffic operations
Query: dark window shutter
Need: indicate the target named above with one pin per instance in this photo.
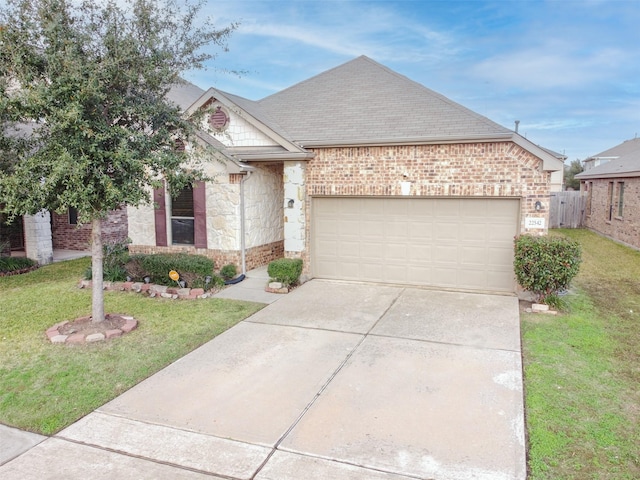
(160, 216)
(200, 215)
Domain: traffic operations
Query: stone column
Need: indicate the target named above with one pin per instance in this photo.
(294, 216)
(37, 233)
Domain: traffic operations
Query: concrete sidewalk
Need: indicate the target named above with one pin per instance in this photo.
(334, 380)
(251, 289)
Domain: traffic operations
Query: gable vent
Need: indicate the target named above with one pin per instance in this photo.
(219, 119)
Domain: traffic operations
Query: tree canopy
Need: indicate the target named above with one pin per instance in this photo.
(570, 171)
(84, 120)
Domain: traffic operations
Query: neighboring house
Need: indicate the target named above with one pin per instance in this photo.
(364, 174)
(557, 178)
(36, 236)
(613, 192)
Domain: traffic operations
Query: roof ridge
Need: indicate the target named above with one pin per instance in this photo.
(317, 75)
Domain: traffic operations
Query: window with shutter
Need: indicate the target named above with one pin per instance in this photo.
(182, 218)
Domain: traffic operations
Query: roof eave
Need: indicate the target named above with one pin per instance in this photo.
(402, 141)
(550, 163)
(587, 176)
(279, 156)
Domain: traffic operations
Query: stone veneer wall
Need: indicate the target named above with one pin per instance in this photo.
(78, 237)
(255, 257)
(264, 219)
(624, 229)
(496, 169)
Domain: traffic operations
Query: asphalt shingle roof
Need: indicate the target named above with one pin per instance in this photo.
(184, 94)
(625, 162)
(362, 100)
(625, 148)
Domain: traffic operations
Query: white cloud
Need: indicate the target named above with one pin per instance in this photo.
(548, 67)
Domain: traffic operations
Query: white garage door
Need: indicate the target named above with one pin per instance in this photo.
(459, 243)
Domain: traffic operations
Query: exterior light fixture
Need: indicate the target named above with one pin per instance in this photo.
(538, 206)
(290, 203)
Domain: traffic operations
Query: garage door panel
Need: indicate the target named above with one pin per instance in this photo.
(445, 253)
(447, 242)
(420, 230)
(473, 256)
(447, 208)
(393, 252)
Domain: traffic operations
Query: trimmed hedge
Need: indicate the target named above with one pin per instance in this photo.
(285, 270)
(546, 265)
(193, 269)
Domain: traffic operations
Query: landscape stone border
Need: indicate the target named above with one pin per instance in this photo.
(55, 336)
(152, 290)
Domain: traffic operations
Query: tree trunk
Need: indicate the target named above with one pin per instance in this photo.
(97, 255)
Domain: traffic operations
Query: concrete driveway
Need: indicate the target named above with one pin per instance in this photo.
(334, 380)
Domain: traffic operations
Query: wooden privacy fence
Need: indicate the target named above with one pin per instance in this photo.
(567, 209)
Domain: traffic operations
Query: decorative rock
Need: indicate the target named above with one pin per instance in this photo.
(127, 286)
(52, 332)
(197, 291)
(129, 325)
(276, 290)
(106, 285)
(94, 337)
(158, 289)
(275, 285)
(113, 333)
(84, 284)
(539, 307)
(137, 287)
(184, 292)
(166, 295)
(75, 338)
(59, 338)
(144, 287)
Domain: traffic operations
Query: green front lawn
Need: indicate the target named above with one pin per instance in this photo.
(582, 371)
(45, 387)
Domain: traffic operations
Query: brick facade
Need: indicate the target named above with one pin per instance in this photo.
(66, 236)
(496, 169)
(625, 228)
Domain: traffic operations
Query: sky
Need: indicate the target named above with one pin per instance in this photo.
(569, 71)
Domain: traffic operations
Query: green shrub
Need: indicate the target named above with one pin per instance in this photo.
(285, 270)
(116, 255)
(12, 265)
(193, 269)
(228, 271)
(545, 265)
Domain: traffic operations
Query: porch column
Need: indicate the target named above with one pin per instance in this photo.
(37, 237)
(294, 212)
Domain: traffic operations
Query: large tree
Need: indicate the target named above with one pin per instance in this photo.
(88, 81)
(570, 172)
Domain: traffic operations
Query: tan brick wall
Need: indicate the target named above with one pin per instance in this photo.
(496, 169)
(625, 228)
(78, 237)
